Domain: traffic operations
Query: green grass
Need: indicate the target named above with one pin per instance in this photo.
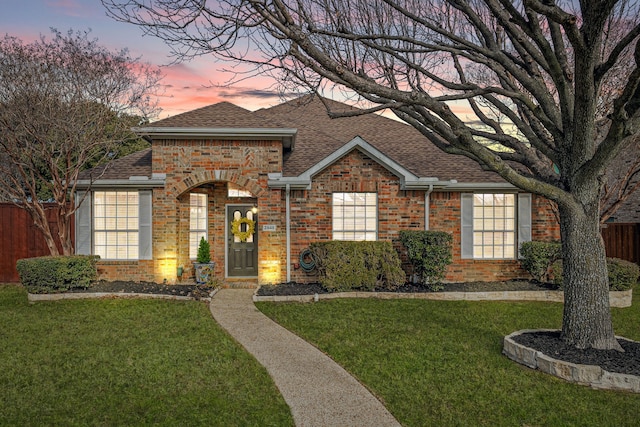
(439, 363)
(126, 362)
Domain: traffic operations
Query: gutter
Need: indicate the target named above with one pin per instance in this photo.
(276, 180)
(427, 184)
(287, 135)
(288, 230)
(486, 186)
(427, 201)
(158, 180)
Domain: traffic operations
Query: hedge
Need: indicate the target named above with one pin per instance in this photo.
(538, 258)
(623, 274)
(52, 274)
(346, 265)
(543, 261)
(429, 253)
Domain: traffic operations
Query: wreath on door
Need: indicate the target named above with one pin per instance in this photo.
(236, 228)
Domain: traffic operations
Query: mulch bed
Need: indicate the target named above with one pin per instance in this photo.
(294, 288)
(551, 345)
(122, 286)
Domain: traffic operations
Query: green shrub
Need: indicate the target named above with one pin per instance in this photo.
(345, 266)
(429, 253)
(538, 258)
(623, 274)
(51, 274)
(204, 251)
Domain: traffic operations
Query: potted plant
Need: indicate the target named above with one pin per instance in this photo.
(203, 265)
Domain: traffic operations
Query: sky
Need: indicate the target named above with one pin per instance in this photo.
(186, 85)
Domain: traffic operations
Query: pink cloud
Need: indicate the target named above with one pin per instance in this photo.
(190, 85)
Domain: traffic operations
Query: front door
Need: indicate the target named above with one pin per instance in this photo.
(242, 241)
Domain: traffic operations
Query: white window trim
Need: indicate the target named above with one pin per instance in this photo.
(365, 231)
(117, 230)
(201, 232)
(522, 225)
(85, 229)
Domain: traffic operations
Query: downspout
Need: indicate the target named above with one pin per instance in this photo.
(427, 201)
(288, 231)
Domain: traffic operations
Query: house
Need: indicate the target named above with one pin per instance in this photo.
(302, 177)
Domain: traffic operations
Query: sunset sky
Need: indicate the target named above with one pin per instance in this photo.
(187, 85)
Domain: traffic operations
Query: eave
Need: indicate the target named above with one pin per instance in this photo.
(137, 182)
(286, 135)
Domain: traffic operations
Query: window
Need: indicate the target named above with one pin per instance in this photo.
(197, 222)
(494, 226)
(115, 223)
(355, 216)
(234, 191)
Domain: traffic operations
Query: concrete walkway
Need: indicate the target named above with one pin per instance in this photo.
(318, 390)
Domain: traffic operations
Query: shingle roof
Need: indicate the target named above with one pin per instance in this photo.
(135, 164)
(318, 136)
(221, 115)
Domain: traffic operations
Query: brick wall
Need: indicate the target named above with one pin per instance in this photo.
(444, 215)
(208, 166)
(544, 221)
(311, 210)
(127, 270)
(400, 210)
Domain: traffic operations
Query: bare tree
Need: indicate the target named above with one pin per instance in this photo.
(622, 181)
(538, 65)
(65, 104)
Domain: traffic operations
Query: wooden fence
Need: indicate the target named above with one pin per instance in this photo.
(19, 238)
(622, 241)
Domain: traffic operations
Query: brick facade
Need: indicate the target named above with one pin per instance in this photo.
(400, 210)
(444, 215)
(311, 210)
(206, 166)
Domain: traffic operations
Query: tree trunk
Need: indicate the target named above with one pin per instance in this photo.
(64, 230)
(586, 320)
(39, 216)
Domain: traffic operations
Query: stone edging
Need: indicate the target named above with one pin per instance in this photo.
(98, 295)
(619, 299)
(593, 376)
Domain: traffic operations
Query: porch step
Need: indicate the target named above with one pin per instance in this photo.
(240, 284)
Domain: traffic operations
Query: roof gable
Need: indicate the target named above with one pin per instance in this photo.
(407, 178)
(319, 135)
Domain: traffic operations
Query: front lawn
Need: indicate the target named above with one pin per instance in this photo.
(126, 362)
(439, 363)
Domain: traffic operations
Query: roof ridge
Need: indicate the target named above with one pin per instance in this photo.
(196, 111)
